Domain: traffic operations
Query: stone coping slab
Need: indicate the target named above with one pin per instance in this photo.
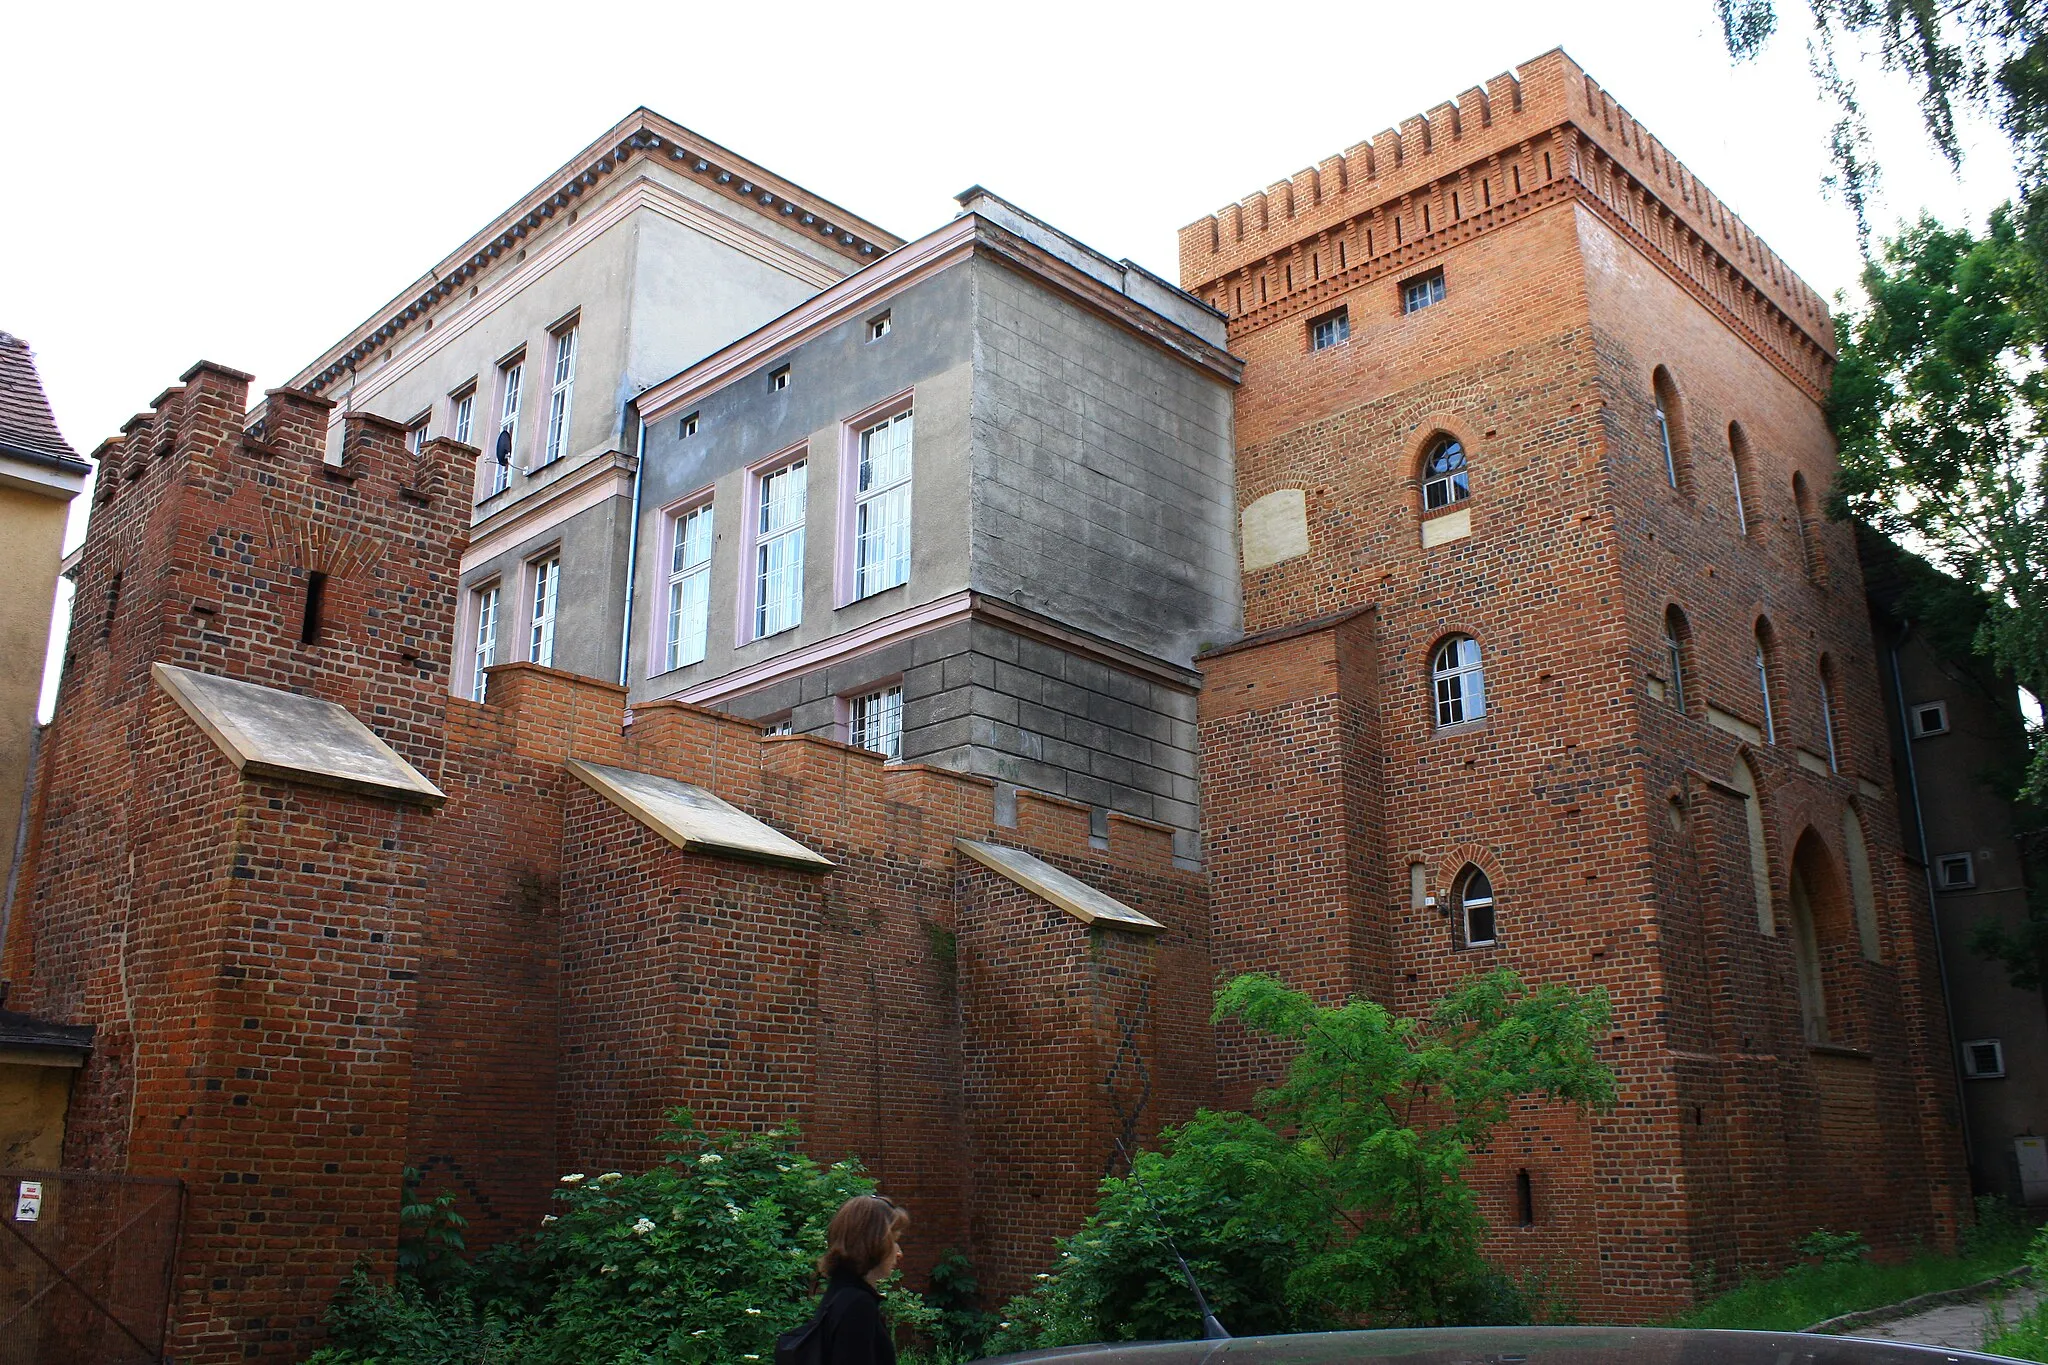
(693, 819)
(1096, 909)
(266, 732)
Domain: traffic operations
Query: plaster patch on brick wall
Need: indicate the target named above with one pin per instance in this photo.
(1275, 528)
(1448, 527)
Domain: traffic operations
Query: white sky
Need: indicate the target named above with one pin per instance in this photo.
(245, 182)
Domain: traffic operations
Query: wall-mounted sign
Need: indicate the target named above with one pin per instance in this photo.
(28, 1202)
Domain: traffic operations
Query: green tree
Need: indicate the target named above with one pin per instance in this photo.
(1941, 409)
(1986, 55)
(1344, 1200)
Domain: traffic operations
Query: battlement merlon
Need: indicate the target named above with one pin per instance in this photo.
(1475, 145)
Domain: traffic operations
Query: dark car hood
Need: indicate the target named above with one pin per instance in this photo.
(1514, 1346)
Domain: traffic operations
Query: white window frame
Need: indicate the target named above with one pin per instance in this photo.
(1945, 861)
(686, 610)
(561, 394)
(1467, 903)
(878, 532)
(1428, 288)
(1331, 329)
(486, 604)
(511, 382)
(1455, 481)
(1459, 689)
(874, 721)
(544, 602)
(1922, 731)
(462, 414)
(879, 327)
(1827, 720)
(784, 726)
(1664, 434)
(762, 616)
(1973, 1071)
(1763, 682)
(416, 437)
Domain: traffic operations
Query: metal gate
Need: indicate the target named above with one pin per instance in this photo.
(85, 1266)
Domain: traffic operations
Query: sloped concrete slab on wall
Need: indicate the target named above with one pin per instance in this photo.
(1092, 907)
(693, 819)
(269, 733)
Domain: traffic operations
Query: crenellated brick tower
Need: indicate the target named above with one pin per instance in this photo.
(1465, 342)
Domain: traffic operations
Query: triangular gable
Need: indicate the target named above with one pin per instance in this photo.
(1094, 908)
(693, 819)
(266, 732)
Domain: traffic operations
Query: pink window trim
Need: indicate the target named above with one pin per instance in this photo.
(750, 527)
(664, 557)
(843, 577)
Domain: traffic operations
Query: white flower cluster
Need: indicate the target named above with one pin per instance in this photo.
(546, 1219)
(576, 1179)
(709, 1159)
(642, 1226)
(609, 1177)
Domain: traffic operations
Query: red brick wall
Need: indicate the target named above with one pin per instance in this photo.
(247, 949)
(1562, 294)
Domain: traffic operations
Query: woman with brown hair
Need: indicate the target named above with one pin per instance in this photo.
(862, 1245)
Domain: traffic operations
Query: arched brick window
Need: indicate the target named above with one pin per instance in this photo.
(1823, 914)
(1766, 676)
(1446, 480)
(1477, 926)
(1459, 680)
(1744, 780)
(1827, 711)
(1811, 556)
(1861, 891)
(1674, 446)
(1742, 462)
(1677, 658)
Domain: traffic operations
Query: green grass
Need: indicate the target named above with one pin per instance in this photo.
(1808, 1294)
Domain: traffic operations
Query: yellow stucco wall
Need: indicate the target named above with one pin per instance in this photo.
(32, 1104)
(31, 541)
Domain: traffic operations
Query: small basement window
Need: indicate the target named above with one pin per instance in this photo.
(778, 379)
(1329, 329)
(1422, 291)
(689, 426)
(878, 327)
(1955, 872)
(1984, 1059)
(1930, 718)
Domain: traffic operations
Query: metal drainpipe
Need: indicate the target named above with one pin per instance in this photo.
(633, 549)
(1948, 1008)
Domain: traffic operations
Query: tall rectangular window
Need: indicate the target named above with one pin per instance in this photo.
(416, 435)
(464, 415)
(689, 586)
(510, 377)
(558, 396)
(875, 721)
(779, 551)
(486, 652)
(547, 591)
(881, 518)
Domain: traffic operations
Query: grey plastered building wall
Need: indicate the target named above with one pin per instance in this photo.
(656, 246)
(1073, 539)
(1959, 743)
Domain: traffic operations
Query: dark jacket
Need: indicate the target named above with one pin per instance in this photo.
(855, 1333)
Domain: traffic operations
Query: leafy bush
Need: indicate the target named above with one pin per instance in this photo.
(707, 1257)
(1834, 1248)
(1344, 1202)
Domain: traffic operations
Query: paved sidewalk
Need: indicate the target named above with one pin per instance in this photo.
(1957, 1326)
